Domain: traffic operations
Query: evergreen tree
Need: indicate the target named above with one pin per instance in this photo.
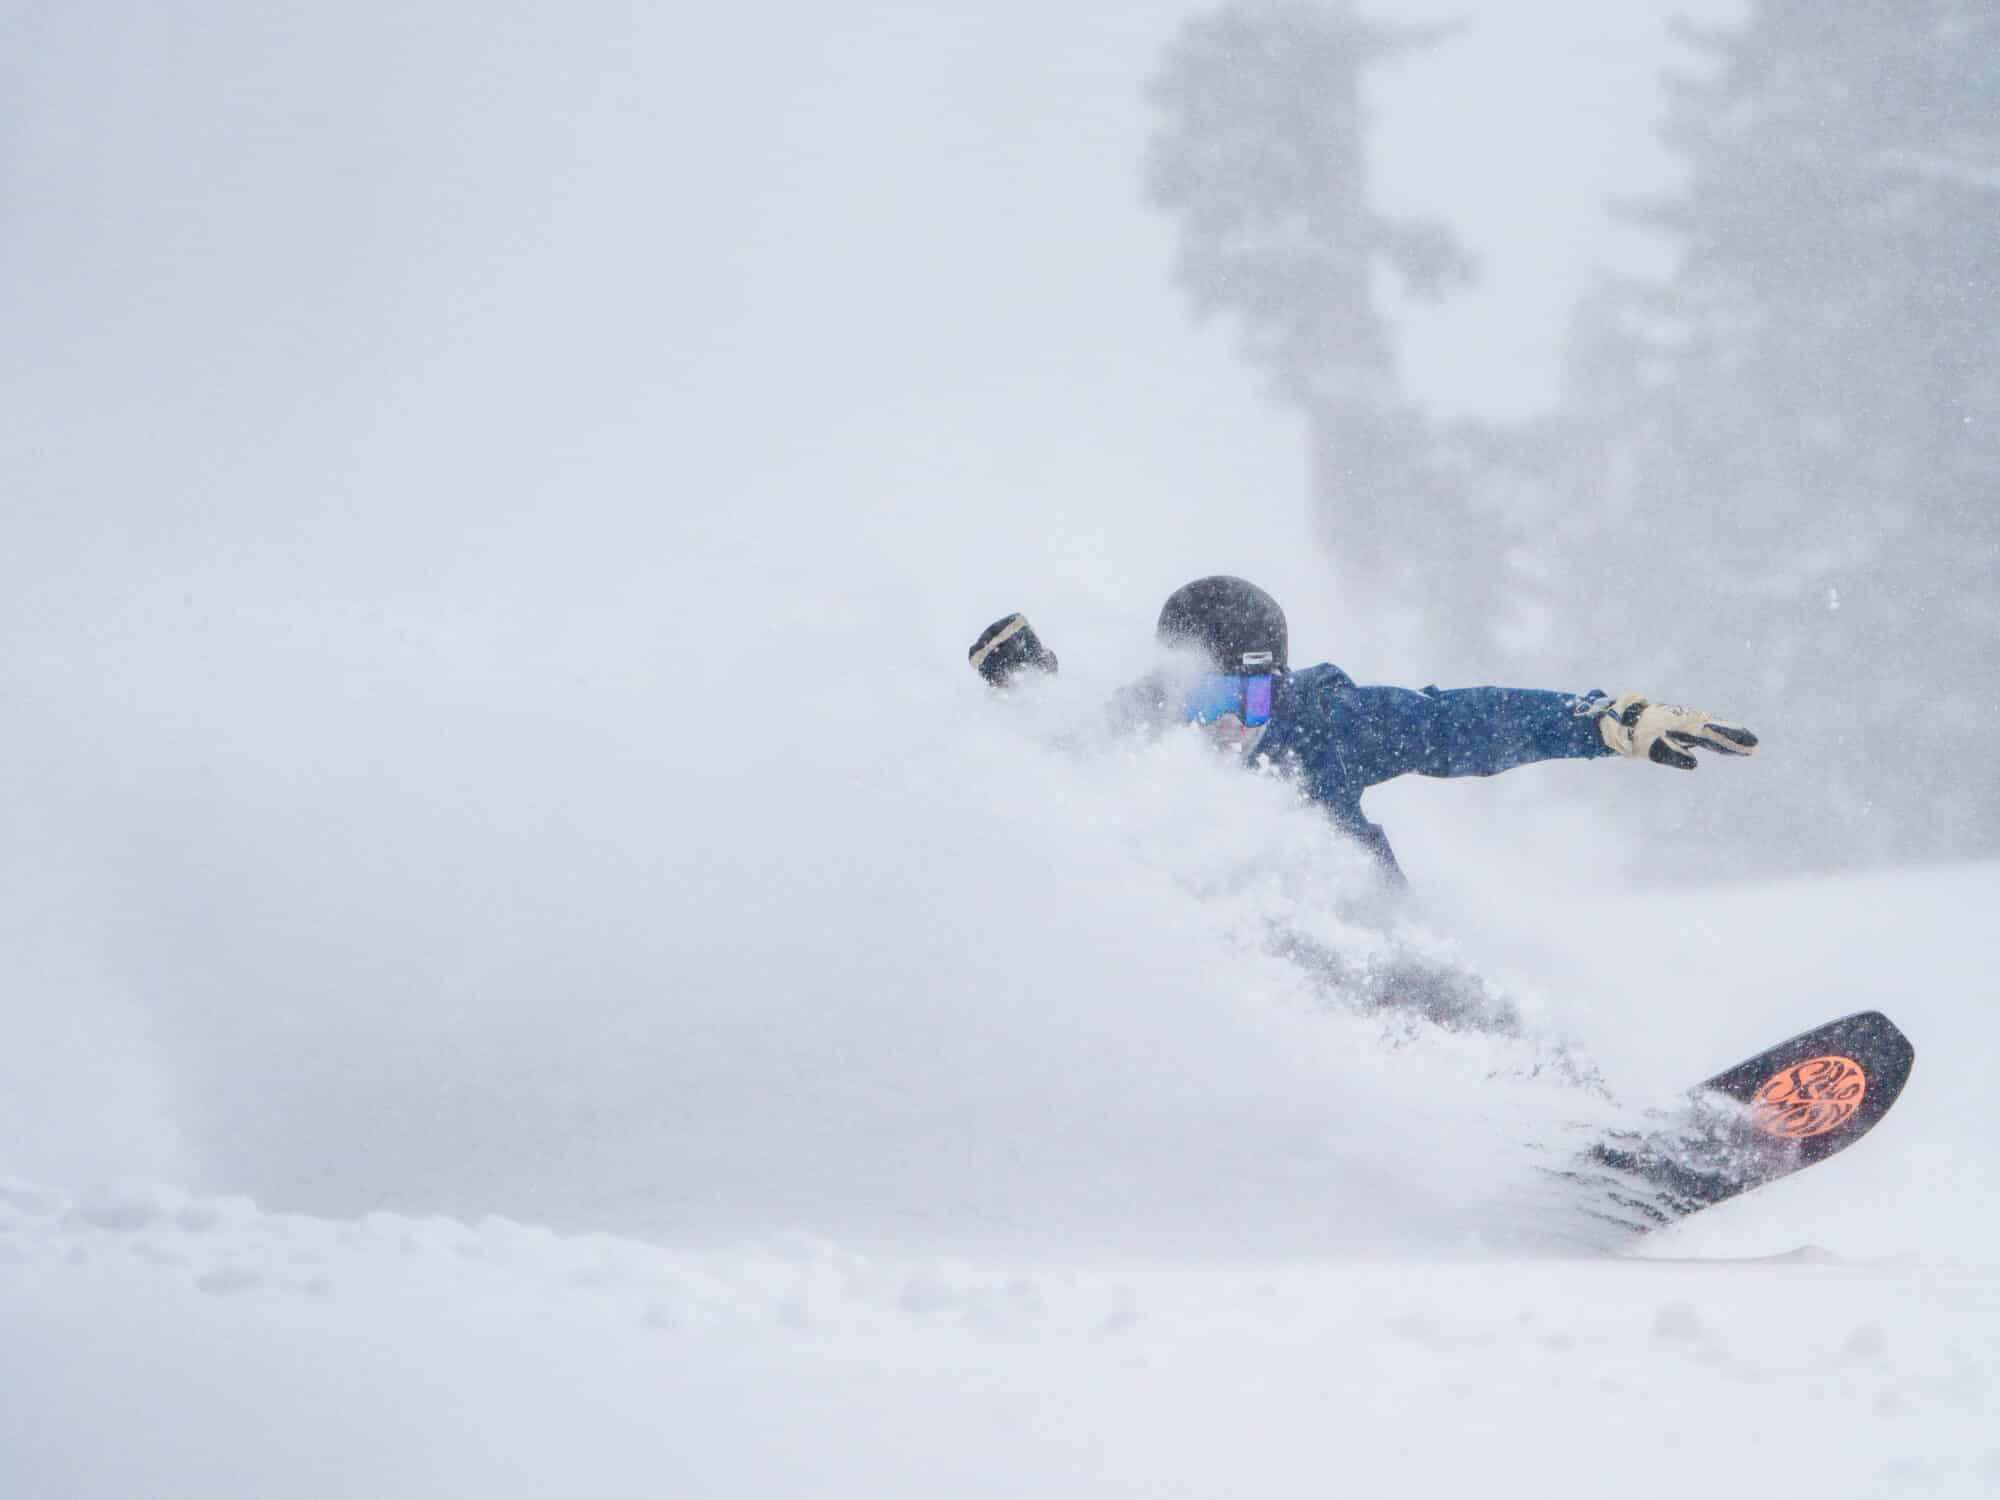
(1260, 154)
(1813, 426)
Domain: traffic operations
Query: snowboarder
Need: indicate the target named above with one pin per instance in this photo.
(1338, 738)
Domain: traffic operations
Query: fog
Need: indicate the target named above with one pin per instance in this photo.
(495, 501)
(519, 310)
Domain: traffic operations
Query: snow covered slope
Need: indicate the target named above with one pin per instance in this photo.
(157, 1343)
(195, 1349)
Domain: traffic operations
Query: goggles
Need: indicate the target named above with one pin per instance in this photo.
(1214, 696)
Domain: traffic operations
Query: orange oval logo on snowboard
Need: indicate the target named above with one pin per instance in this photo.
(1810, 1098)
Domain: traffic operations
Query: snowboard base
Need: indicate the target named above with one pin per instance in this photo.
(1769, 1116)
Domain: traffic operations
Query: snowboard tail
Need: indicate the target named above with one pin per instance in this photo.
(1769, 1116)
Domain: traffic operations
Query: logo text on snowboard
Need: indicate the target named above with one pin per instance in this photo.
(1810, 1098)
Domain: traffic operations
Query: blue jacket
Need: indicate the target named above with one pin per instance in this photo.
(1340, 739)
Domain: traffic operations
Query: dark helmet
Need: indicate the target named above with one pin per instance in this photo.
(1228, 619)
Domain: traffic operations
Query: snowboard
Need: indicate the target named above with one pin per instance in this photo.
(1769, 1116)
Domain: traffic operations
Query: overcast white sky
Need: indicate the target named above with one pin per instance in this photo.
(1518, 131)
(271, 269)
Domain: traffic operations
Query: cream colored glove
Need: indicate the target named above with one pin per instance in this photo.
(1664, 733)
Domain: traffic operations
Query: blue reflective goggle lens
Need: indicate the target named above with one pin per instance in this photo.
(1249, 698)
(1257, 700)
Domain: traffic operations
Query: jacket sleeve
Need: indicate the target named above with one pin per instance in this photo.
(1385, 732)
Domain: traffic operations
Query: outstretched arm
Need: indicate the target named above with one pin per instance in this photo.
(1384, 732)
